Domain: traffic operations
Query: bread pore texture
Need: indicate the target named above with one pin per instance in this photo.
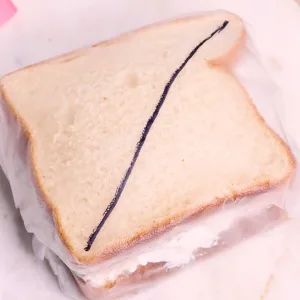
(85, 112)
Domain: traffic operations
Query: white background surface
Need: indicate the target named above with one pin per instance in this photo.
(43, 28)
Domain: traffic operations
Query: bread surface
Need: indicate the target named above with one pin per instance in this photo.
(85, 112)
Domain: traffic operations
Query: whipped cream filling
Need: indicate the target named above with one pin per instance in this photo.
(181, 244)
(175, 249)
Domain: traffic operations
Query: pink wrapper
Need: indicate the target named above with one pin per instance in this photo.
(7, 10)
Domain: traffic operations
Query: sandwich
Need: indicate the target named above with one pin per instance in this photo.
(136, 136)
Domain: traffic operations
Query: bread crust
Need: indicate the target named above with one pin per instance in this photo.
(168, 223)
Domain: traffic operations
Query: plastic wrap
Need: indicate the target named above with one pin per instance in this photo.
(213, 231)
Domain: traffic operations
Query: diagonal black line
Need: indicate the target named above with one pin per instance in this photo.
(142, 140)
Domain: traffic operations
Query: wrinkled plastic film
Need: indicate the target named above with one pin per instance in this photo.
(226, 225)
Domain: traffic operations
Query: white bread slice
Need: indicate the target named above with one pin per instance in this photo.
(85, 112)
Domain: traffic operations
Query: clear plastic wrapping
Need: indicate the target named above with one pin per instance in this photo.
(217, 229)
